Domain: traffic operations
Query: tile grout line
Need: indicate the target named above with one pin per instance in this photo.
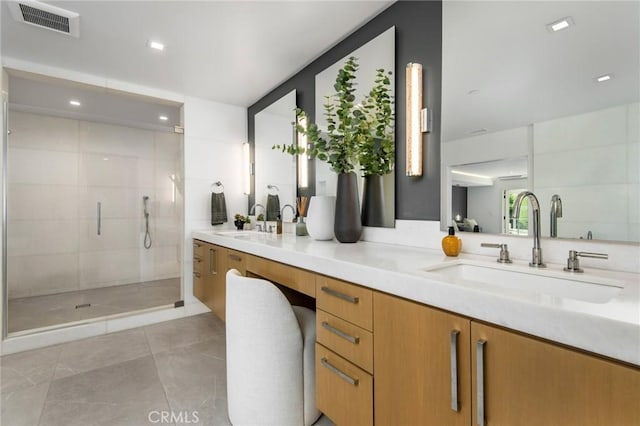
(53, 373)
(155, 364)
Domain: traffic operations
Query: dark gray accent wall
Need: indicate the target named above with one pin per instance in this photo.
(418, 39)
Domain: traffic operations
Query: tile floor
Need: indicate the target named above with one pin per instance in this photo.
(122, 379)
(43, 311)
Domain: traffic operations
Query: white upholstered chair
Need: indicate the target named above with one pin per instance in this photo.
(270, 355)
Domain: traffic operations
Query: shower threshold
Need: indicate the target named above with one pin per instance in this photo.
(53, 310)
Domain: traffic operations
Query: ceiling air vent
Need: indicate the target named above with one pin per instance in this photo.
(46, 16)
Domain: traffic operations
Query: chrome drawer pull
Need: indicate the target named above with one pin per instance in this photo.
(480, 379)
(197, 260)
(235, 257)
(351, 299)
(197, 245)
(196, 274)
(342, 375)
(454, 370)
(212, 262)
(353, 339)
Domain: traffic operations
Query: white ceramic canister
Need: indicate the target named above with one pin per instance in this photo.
(320, 217)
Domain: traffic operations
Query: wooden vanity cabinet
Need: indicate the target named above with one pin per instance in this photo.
(422, 364)
(210, 265)
(527, 381)
(344, 352)
(198, 269)
(236, 260)
(425, 366)
(215, 279)
(523, 380)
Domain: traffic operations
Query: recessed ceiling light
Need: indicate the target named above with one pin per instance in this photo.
(74, 102)
(163, 118)
(560, 24)
(156, 45)
(603, 78)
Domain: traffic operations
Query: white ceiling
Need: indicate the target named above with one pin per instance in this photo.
(49, 96)
(227, 51)
(522, 73)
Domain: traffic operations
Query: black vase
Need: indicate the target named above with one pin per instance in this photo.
(347, 226)
(373, 201)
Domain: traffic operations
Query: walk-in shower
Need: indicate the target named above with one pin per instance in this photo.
(79, 240)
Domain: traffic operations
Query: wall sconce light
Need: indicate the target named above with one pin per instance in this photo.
(418, 121)
(246, 168)
(303, 159)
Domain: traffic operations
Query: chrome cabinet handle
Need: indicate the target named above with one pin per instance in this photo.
(197, 260)
(99, 217)
(454, 370)
(353, 339)
(196, 274)
(235, 257)
(350, 299)
(212, 262)
(480, 381)
(342, 375)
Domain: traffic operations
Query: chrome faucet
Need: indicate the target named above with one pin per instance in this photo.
(556, 212)
(293, 210)
(534, 205)
(252, 211)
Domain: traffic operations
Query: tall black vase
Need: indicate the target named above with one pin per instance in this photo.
(373, 201)
(347, 226)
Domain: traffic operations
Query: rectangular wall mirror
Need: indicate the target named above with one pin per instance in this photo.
(525, 107)
(275, 172)
(375, 54)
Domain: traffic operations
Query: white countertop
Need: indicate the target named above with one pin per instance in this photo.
(611, 329)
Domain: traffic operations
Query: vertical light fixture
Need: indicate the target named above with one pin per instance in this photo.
(417, 119)
(246, 169)
(303, 159)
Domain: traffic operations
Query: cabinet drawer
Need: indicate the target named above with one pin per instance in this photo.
(347, 301)
(198, 286)
(198, 264)
(350, 341)
(289, 276)
(198, 248)
(236, 260)
(344, 392)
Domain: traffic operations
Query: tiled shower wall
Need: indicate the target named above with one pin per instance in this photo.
(58, 170)
(602, 149)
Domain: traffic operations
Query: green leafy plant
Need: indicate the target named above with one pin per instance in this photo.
(239, 218)
(376, 150)
(356, 133)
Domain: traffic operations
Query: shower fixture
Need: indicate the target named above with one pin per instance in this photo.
(147, 235)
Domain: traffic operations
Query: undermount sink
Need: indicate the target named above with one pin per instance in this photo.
(507, 277)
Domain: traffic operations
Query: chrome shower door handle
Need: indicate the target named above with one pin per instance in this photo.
(99, 217)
